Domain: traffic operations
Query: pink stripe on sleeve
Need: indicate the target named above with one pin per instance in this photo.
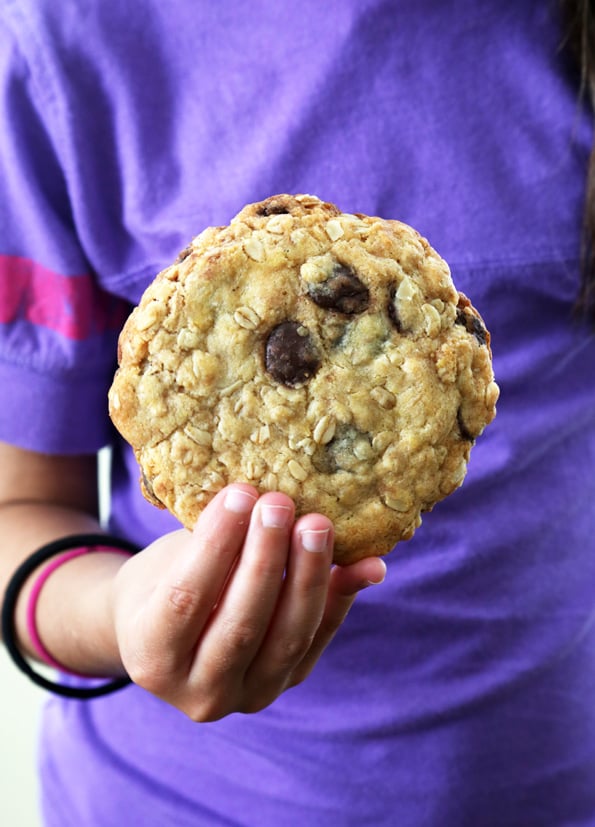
(73, 306)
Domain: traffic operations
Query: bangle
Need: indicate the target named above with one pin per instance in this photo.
(74, 545)
(31, 612)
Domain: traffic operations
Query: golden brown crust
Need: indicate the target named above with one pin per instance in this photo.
(324, 354)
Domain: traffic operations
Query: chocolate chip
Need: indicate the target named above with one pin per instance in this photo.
(148, 491)
(272, 207)
(184, 254)
(340, 454)
(472, 325)
(342, 291)
(478, 331)
(392, 309)
(291, 356)
(463, 430)
(324, 460)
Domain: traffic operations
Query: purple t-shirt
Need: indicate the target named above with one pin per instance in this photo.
(461, 691)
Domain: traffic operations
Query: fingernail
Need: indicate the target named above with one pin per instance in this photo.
(239, 501)
(381, 576)
(275, 516)
(315, 539)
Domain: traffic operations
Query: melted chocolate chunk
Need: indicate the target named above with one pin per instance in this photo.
(463, 430)
(324, 460)
(273, 208)
(342, 291)
(392, 309)
(472, 325)
(338, 454)
(149, 491)
(291, 356)
(184, 254)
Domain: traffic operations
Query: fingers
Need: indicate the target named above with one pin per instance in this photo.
(223, 619)
(243, 615)
(345, 583)
(298, 613)
(184, 598)
(245, 609)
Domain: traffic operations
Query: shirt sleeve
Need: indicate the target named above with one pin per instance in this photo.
(58, 328)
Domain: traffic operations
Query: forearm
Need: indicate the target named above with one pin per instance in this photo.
(74, 613)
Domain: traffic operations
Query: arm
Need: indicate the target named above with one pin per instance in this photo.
(219, 620)
(42, 498)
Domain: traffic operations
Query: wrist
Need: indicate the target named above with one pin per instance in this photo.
(74, 614)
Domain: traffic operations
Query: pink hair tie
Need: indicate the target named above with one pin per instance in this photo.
(31, 612)
(32, 566)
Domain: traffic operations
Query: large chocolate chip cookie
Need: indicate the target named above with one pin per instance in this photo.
(324, 354)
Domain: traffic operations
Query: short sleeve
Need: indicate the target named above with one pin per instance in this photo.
(58, 327)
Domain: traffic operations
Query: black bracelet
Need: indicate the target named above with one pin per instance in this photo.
(10, 599)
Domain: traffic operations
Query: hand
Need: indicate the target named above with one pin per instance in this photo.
(225, 618)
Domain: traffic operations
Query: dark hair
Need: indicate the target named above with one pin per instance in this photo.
(579, 39)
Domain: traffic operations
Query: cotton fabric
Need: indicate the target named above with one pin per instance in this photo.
(460, 692)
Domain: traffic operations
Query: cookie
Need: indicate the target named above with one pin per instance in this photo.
(302, 349)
